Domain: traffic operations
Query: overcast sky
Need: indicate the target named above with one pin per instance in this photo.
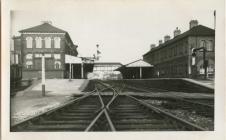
(123, 29)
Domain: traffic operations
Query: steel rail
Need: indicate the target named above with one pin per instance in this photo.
(166, 114)
(197, 103)
(39, 116)
(29, 119)
(178, 98)
(103, 110)
(89, 127)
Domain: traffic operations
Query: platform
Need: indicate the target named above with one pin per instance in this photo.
(205, 83)
(30, 102)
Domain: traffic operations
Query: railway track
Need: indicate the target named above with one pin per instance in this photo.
(100, 111)
(76, 115)
(196, 110)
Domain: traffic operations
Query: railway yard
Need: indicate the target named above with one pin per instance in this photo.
(119, 106)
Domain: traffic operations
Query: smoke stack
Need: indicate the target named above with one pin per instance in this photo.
(176, 32)
(193, 23)
(152, 46)
(160, 42)
(166, 38)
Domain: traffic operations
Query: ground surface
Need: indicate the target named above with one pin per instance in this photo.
(206, 83)
(30, 102)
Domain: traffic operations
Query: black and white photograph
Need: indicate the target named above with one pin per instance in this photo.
(149, 69)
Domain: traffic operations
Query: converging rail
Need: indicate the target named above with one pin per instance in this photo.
(104, 109)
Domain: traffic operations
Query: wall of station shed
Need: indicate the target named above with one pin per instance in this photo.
(134, 72)
(76, 70)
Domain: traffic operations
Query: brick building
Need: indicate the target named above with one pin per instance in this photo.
(45, 39)
(173, 58)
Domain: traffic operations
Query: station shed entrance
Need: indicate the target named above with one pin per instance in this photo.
(138, 69)
(77, 67)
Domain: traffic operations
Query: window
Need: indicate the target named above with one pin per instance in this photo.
(29, 56)
(209, 45)
(47, 42)
(16, 58)
(29, 64)
(56, 56)
(57, 64)
(38, 55)
(202, 43)
(174, 51)
(56, 42)
(47, 55)
(29, 42)
(12, 45)
(38, 41)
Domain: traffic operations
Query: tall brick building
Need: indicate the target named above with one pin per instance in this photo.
(45, 39)
(173, 58)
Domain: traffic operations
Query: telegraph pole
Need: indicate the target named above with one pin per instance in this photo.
(43, 74)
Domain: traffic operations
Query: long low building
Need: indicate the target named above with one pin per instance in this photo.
(173, 58)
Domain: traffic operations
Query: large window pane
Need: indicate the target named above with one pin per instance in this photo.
(29, 42)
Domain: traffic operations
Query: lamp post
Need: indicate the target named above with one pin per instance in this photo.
(43, 74)
(205, 62)
(70, 72)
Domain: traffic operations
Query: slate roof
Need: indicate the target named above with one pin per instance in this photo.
(43, 28)
(198, 30)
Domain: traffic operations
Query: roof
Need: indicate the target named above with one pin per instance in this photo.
(106, 63)
(137, 63)
(43, 28)
(72, 59)
(198, 30)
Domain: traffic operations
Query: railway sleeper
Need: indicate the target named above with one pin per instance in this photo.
(146, 126)
(62, 127)
(136, 121)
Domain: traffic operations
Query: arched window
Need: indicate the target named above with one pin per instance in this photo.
(56, 42)
(29, 64)
(29, 42)
(47, 42)
(38, 41)
(57, 65)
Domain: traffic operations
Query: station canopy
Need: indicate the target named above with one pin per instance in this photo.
(138, 63)
(72, 59)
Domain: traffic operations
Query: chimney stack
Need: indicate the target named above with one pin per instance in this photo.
(193, 23)
(160, 42)
(47, 21)
(176, 32)
(166, 38)
(152, 46)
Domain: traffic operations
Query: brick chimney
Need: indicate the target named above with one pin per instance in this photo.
(176, 32)
(152, 46)
(193, 23)
(160, 42)
(166, 38)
